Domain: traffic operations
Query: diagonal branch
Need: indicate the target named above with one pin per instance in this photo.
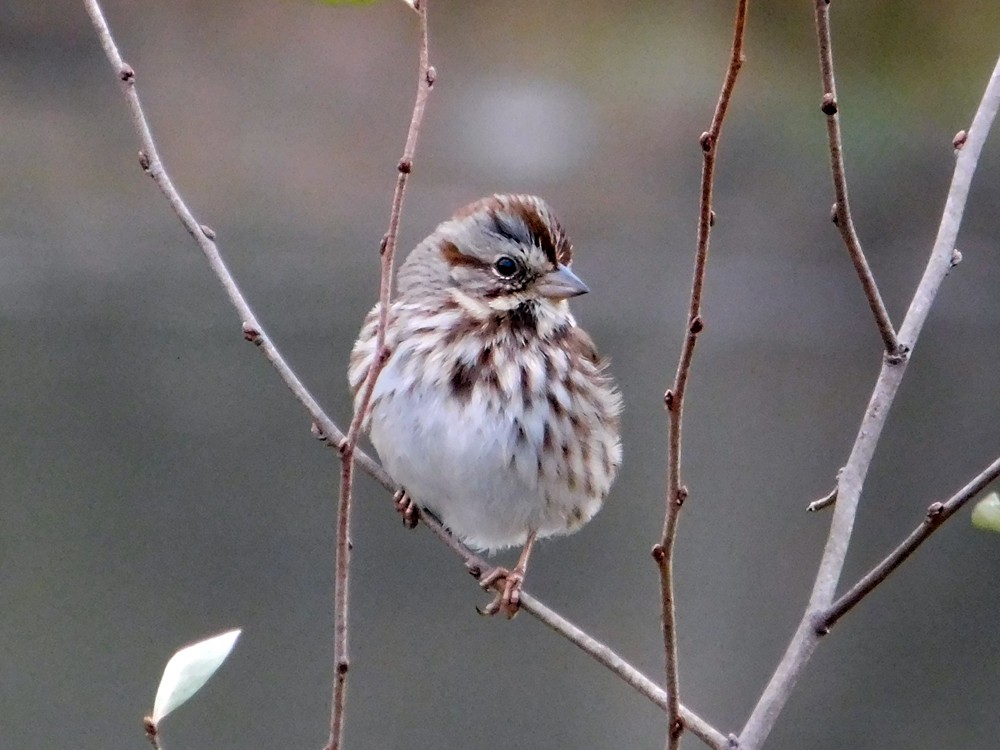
(149, 160)
(942, 259)
(387, 251)
(589, 645)
(937, 514)
(324, 427)
(842, 207)
(674, 397)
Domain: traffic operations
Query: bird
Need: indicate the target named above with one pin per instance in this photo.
(493, 409)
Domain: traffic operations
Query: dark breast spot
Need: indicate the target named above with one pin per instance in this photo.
(554, 404)
(522, 436)
(463, 378)
(547, 437)
(525, 379)
(485, 357)
(522, 319)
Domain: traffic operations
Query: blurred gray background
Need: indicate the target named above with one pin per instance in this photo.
(158, 483)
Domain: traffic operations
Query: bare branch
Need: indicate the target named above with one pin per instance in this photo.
(937, 514)
(149, 160)
(824, 502)
(674, 397)
(152, 732)
(387, 251)
(326, 429)
(601, 653)
(853, 475)
(842, 208)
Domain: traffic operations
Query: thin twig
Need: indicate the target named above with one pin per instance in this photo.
(152, 733)
(387, 251)
(842, 207)
(937, 514)
(852, 477)
(324, 427)
(674, 397)
(824, 502)
(601, 653)
(149, 160)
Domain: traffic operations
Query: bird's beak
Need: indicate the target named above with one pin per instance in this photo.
(560, 284)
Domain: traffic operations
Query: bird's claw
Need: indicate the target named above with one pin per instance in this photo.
(507, 599)
(407, 509)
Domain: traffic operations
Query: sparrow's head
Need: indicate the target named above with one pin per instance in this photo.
(495, 256)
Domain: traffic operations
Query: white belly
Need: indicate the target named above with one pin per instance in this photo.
(464, 461)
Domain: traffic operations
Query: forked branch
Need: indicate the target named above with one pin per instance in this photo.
(937, 514)
(842, 207)
(674, 397)
(942, 259)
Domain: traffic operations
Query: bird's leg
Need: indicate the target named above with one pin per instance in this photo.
(406, 508)
(509, 599)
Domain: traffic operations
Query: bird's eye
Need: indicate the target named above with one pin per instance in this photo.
(505, 266)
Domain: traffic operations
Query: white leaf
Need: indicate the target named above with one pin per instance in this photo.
(189, 669)
(411, 3)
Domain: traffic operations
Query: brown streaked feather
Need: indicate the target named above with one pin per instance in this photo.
(540, 232)
(463, 378)
(455, 257)
(545, 230)
(578, 343)
(517, 372)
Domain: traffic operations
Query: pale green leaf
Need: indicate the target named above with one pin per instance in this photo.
(189, 669)
(986, 514)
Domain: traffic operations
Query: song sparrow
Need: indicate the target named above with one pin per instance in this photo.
(493, 410)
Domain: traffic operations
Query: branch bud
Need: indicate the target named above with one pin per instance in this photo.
(251, 334)
(668, 400)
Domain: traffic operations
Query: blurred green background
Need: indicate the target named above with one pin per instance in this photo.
(158, 483)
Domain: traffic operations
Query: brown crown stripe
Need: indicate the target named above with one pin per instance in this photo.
(539, 231)
(455, 257)
(547, 233)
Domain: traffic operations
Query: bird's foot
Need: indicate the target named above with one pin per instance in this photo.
(507, 599)
(407, 509)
